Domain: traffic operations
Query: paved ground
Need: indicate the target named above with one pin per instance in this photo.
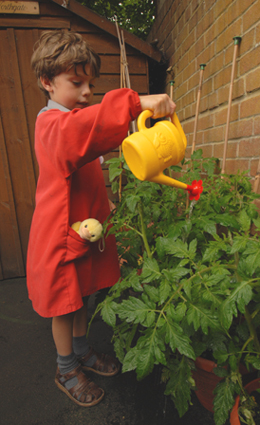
(28, 361)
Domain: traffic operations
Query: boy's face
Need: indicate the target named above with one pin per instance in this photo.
(70, 89)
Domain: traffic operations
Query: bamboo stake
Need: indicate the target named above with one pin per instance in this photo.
(202, 67)
(236, 44)
(257, 178)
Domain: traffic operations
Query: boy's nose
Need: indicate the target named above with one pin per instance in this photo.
(86, 90)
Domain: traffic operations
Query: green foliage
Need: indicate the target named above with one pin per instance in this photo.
(136, 16)
(188, 274)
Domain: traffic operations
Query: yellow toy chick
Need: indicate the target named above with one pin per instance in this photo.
(89, 229)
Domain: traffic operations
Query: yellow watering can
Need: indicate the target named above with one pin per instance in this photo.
(150, 150)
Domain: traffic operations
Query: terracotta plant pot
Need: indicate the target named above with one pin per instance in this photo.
(250, 387)
(206, 381)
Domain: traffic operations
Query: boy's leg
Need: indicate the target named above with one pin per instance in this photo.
(89, 358)
(69, 376)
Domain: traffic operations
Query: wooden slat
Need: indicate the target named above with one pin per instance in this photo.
(34, 99)
(17, 22)
(11, 259)
(111, 82)
(16, 135)
(110, 64)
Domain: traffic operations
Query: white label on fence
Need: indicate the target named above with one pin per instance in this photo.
(16, 7)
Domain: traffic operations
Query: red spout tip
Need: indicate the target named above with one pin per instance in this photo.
(195, 189)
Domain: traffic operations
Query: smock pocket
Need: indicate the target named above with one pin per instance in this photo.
(76, 246)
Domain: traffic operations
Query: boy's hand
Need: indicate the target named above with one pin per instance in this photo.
(160, 104)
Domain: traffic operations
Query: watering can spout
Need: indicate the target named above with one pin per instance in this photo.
(149, 151)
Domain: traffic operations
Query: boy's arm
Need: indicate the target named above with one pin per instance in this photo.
(72, 139)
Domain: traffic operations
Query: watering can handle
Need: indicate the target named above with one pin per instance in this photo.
(148, 114)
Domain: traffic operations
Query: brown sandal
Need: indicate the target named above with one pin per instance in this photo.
(105, 365)
(85, 393)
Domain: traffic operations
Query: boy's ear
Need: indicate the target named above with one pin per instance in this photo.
(47, 84)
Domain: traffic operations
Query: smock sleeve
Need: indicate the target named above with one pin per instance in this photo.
(72, 139)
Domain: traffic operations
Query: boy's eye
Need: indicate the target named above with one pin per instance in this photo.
(76, 83)
(91, 86)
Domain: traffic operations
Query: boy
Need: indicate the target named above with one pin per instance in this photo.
(70, 136)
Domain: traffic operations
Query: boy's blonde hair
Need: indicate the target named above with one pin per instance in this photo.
(58, 51)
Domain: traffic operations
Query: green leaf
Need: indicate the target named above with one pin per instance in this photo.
(244, 221)
(227, 220)
(202, 318)
(177, 248)
(239, 243)
(108, 313)
(131, 202)
(132, 310)
(178, 340)
(193, 248)
(179, 385)
(130, 360)
(207, 225)
(253, 259)
(150, 270)
(152, 292)
(114, 172)
(164, 291)
(146, 360)
(223, 401)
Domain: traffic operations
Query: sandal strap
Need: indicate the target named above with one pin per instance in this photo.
(85, 390)
(104, 362)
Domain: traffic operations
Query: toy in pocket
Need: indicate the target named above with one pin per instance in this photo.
(91, 230)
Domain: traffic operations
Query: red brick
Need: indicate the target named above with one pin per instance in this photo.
(205, 22)
(223, 94)
(254, 164)
(215, 134)
(189, 70)
(189, 42)
(222, 78)
(250, 107)
(220, 6)
(213, 100)
(207, 151)
(235, 165)
(207, 54)
(205, 121)
(240, 129)
(221, 114)
(253, 80)
(250, 60)
(247, 42)
(257, 125)
(251, 16)
(224, 39)
(236, 9)
(249, 148)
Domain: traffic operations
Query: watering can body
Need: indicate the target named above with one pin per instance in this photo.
(150, 150)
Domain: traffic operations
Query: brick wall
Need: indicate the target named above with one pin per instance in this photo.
(191, 32)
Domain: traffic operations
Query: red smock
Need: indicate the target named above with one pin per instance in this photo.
(61, 267)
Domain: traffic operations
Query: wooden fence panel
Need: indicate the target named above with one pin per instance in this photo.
(16, 135)
(11, 258)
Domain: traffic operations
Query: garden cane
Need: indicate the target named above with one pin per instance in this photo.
(236, 44)
(202, 67)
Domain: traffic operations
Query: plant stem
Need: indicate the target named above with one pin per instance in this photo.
(252, 329)
(143, 230)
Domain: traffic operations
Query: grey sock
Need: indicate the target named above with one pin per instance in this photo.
(66, 364)
(81, 348)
